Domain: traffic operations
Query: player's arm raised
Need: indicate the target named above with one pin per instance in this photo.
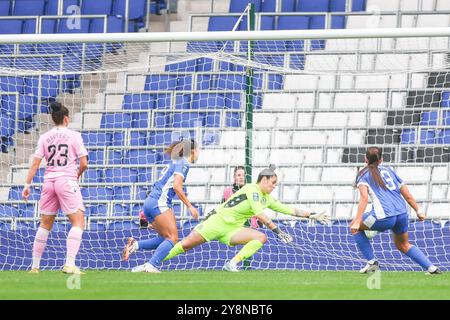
(411, 201)
(321, 217)
(178, 188)
(363, 200)
(31, 173)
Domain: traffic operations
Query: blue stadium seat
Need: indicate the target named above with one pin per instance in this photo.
(145, 175)
(12, 84)
(222, 23)
(231, 82)
(141, 156)
(183, 82)
(206, 81)
(116, 156)
(155, 82)
(427, 136)
(210, 138)
(338, 22)
(445, 100)
(39, 177)
(123, 226)
(267, 23)
(113, 25)
(187, 119)
(160, 138)
(234, 101)
(26, 210)
(9, 26)
(27, 106)
(51, 7)
(313, 6)
(116, 120)
(317, 22)
(276, 60)
(294, 23)
(268, 5)
(122, 193)
(337, 5)
(446, 118)
(97, 7)
(140, 120)
(208, 101)
(429, 118)
(136, 9)
(139, 101)
(98, 193)
(68, 26)
(408, 136)
(212, 120)
(5, 7)
(163, 100)
(233, 119)
(48, 84)
(359, 5)
(275, 81)
(96, 210)
(96, 138)
(288, 5)
(136, 209)
(142, 192)
(183, 101)
(121, 210)
(9, 210)
(239, 5)
(7, 126)
(15, 193)
(69, 6)
(204, 64)
(139, 138)
(29, 27)
(443, 136)
(161, 120)
(5, 62)
(93, 175)
(96, 156)
(29, 7)
(183, 66)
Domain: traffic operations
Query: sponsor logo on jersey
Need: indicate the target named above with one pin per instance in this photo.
(255, 197)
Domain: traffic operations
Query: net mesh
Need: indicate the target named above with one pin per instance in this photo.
(318, 105)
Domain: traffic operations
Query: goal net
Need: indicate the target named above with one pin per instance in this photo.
(309, 102)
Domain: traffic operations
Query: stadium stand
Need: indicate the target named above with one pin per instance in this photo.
(315, 125)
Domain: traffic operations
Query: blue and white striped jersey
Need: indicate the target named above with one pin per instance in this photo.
(163, 188)
(385, 202)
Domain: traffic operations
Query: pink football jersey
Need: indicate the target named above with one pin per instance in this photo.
(61, 147)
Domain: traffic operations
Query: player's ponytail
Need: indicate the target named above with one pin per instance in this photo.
(180, 149)
(373, 156)
(58, 111)
(268, 173)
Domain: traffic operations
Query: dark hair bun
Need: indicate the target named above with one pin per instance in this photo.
(55, 107)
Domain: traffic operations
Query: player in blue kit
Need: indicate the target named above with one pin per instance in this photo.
(158, 206)
(388, 194)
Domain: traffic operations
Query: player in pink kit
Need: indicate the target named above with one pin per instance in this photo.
(62, 148)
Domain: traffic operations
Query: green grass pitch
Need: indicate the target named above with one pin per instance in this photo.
(221, 285)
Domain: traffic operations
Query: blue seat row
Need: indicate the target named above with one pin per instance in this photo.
(297, 5)
(122, 120)
(427, 136)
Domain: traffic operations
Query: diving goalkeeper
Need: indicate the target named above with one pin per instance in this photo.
(225, 223)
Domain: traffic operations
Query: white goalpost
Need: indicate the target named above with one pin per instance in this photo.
(308, 101)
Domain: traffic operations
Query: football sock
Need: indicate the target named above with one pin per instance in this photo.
(161, 252)
(150, 244)
(248, 250)
(364, 245)
(40, 242)
(417, 255)
(73, 245)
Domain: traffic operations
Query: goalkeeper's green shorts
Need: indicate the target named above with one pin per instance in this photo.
(215, 228)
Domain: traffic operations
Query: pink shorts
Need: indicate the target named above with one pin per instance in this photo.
(61, 194)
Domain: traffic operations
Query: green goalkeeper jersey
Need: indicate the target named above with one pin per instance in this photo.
(247, 202)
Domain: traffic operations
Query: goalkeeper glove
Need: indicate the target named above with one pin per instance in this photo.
(283, 236)
(321, 217)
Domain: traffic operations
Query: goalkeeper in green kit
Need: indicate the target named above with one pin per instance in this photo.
(226, 222)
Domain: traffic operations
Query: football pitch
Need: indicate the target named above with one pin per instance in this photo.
(221, 285)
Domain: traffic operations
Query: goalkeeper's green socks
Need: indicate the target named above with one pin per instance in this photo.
(176, 250)
(248, 250)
